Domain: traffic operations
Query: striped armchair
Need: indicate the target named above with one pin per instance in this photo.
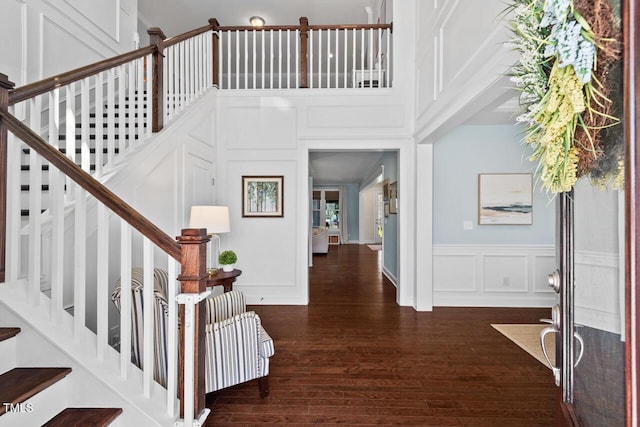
(237, 346)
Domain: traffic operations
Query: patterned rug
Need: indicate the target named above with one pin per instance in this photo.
(527, 337)
(375, 247)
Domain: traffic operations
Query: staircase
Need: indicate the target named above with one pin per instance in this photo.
(36, 395)
(94, 135)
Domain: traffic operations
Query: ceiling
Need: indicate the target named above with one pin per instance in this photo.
(178, 16)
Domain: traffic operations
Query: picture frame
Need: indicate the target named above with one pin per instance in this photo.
(385, 189)
(393, 197)
(386, 209)
(505, 199)
(262, 196)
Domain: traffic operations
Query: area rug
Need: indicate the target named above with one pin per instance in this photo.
(375, 247)
(527, 337)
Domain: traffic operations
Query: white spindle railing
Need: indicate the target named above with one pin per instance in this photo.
(187, 72)
(338, 58)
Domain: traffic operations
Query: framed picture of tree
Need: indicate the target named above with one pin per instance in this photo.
(262, 196)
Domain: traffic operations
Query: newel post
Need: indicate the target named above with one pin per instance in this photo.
(215, 54)
(156, 37)
(192, 279)
(5, 86)
(304, 52)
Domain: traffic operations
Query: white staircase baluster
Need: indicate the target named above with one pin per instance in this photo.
(345, 34)
(131, 106)
(297, 54)
(99, 131)
(288, 59)
(237, 59)
(172, 337)
(328, 56)
(148, 327)
(336, 56)
(102, 281)
(362, 52)
(254, 63)
(122, 111)
(56, 208)
(379, 53)
(13, 209)
(111, 116)
(354, 65)
(169, 81)
(370, 58)
(140, 95)
(70, 132)
(182, 76)
(310, 58)
(125, 298)
(246, 60)
(85, 106)
(263, 55)
(271, 57)
(35, 205)
(388, 55)
(80, 262)
(149, 96)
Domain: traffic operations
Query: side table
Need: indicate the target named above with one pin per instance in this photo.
(223, 278)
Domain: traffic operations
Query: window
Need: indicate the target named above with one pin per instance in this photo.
(325, 207)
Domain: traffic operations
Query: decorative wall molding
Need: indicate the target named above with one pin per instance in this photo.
(492, 275)
(597, 290)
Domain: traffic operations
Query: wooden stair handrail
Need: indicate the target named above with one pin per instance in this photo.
(91, 185)
(310, 27)
(43, 86)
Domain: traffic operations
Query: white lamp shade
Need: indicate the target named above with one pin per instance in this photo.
(214, 218)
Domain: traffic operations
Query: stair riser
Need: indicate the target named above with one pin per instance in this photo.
(7, 355)
(40, 408)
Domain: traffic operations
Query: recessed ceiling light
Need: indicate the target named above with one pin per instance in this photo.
(256, 21)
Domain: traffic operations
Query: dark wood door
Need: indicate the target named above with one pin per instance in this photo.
(598, 250)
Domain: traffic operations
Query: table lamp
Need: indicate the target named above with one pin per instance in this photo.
(216, 220)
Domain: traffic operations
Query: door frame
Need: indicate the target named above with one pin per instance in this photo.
(631, 82)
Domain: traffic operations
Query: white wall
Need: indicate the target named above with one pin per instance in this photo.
(461, 62)
(41, 38)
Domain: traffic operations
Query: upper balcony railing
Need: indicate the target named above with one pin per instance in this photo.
(302, 56)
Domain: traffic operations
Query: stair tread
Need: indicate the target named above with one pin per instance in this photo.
(6, 333)
(20, 384)
(84, 417)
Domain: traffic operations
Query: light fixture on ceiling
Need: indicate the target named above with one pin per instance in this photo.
(256, 21)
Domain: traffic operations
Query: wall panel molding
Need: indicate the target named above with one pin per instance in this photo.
(492, 275)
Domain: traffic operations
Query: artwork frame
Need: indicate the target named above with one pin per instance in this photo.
(262, 196)
(386, 187)
(387, 209)
(393, 197)
(505, 199)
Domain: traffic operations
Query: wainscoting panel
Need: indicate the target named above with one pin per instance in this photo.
(597, 290)
(492, 275)
(455, 273)
(276, 127)
(505, 273)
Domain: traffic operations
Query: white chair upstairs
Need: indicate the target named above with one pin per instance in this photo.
(237, 346)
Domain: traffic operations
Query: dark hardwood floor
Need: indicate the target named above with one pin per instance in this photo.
(354, 357)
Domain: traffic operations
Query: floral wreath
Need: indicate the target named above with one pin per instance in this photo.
(568, 48)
